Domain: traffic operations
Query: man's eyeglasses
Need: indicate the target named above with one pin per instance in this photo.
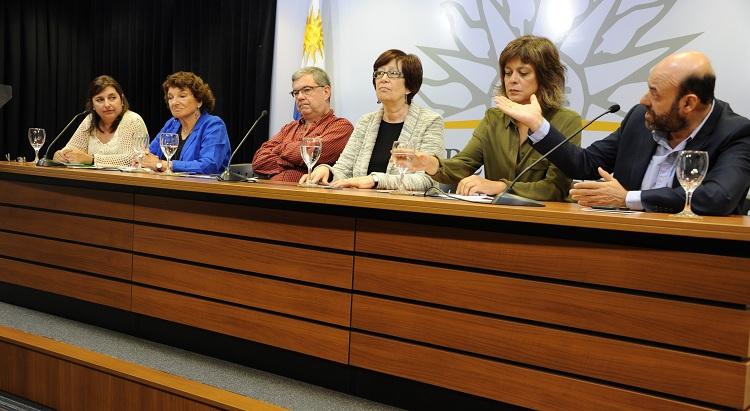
(390, 73)
(304, 90)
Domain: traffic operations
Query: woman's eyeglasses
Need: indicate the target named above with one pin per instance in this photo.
(390, 73)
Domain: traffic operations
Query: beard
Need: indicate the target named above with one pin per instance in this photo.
(666, 123)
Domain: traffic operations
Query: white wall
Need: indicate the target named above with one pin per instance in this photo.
(595, 47)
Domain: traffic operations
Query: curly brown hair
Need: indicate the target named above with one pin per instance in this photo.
(191, 81)
(541, 53)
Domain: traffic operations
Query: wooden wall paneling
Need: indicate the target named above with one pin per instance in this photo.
(270, 224)
(699, 377)
(321, 267)
(705, 276)
(66, 377)
(68, 227)
(503, 382)
(83, 287)
(96, 260)
(277, 331)
(698, 326)
(68, 199)
(289, 298)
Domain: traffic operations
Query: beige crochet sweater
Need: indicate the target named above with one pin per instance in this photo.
(118, 151)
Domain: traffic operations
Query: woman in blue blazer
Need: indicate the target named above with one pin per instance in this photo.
(204, 146)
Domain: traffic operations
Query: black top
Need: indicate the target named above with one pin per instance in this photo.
(381, 152)
(181, 144)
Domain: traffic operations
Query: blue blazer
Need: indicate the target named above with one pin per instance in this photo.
(206, 150)
(628, 151)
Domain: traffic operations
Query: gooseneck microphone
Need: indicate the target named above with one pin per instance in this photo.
(230, 175)
(507, 198)
(45, 161)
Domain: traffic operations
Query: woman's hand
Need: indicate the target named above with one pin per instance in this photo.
(472, 185)
(149, 161)
(319, 175)
(60, 156)
(420, 161)
(355, 182)
(74, 155)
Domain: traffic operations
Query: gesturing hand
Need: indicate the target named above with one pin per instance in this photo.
(528, 114)
(600, 193)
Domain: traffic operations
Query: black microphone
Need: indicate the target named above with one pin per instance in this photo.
(246, 169)
(46, 162)
(506, 198)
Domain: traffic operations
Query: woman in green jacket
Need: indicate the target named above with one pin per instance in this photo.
(528, 65)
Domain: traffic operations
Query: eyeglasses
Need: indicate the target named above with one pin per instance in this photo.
(304, 90)
(390, 73)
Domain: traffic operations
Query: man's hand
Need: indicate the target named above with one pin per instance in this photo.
(529, 115)
(355, 182)
(600, 193)
(472, 185)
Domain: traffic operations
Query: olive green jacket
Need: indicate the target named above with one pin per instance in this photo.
(495, 144)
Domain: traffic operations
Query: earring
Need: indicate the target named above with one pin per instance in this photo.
(378, 101)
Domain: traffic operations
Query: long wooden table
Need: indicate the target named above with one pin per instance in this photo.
(546, 308)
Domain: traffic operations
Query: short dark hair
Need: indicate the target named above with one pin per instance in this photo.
(411, 66)
(701, 86)
(541, 53)
(191, 81)
(96, 87)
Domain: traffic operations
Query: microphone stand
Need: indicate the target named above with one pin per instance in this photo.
(507, 198)
(228, 174)
(45, 161)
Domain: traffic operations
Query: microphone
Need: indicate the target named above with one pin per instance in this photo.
(507, 198)
(45, 161)
(230, 175)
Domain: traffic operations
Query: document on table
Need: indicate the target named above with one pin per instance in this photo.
(477, 198)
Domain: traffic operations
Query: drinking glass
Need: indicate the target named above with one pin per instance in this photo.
(140, 146)
(403, 154)
(169, 143)
(36, 138)
(691, 170)
(310, 150)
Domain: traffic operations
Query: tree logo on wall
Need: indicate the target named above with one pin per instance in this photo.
(607, 46)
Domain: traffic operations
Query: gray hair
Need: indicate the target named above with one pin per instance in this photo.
(319, 75)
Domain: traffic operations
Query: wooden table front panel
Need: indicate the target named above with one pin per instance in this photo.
(687, 274)
(699, 326)
(685, 374)
(320, 304)
(295, 227)
(505, 382)
(289, 333)
(101, 203)
(83, 287)
(309, 265)
(74, 256)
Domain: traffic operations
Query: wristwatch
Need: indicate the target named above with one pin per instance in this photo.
(375, 178)
(159, 165)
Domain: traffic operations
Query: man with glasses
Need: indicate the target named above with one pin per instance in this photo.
(279, 158)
